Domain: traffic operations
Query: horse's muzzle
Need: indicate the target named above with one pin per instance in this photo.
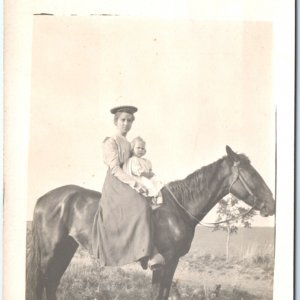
(264, 212)
(267, 208)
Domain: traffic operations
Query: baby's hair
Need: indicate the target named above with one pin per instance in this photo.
(135, 140)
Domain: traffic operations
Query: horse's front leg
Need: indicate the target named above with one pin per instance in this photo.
(162, 280)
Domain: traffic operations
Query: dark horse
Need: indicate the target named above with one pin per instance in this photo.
(63, 219)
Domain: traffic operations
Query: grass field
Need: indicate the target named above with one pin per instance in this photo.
(202, 274)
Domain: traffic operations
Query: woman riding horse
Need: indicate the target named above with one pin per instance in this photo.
(122, 230)
(63, 219)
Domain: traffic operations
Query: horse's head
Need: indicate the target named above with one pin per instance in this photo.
(247, 185)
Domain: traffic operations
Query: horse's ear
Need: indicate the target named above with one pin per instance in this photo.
(231, 154)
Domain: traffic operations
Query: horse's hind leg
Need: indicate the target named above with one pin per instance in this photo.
(57, 264)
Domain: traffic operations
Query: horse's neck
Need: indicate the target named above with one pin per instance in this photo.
(202, 190)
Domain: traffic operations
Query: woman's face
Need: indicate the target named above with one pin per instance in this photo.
(124, 123)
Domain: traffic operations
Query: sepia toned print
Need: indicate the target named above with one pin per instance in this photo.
(202, 94)
(198, 86)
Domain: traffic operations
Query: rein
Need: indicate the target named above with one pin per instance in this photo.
(237, 175)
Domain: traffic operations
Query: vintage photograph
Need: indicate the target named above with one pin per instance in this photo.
(139, 129)
(151, 159)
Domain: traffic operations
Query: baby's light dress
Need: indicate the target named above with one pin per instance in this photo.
(135, 166)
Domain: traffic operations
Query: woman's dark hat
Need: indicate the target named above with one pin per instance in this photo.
(126, 108)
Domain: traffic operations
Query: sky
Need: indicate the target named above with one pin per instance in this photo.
(198, 85)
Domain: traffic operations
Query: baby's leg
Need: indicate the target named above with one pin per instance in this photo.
(159, 198)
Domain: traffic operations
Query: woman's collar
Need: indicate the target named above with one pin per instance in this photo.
(120, 136)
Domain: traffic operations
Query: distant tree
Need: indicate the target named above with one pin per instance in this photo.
(236, 216)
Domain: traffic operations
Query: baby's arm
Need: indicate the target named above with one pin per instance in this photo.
(149, 173)
(136, 167)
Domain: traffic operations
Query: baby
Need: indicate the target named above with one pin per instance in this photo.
(141, 169)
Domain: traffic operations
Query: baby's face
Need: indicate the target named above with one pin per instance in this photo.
(139, 149)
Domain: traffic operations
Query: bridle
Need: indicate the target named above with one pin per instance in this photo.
(236, 176)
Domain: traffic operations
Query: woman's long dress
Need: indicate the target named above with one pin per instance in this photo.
(122, 225)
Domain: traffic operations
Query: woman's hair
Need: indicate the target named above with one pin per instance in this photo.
(135, 140)
(117, 115)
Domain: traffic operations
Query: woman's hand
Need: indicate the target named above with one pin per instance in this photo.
(141, 188)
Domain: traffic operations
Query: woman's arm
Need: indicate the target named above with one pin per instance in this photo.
(111, 159)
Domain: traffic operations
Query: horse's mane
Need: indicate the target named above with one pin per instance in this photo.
(195, 184)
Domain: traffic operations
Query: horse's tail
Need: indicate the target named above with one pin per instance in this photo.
(34, 284)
